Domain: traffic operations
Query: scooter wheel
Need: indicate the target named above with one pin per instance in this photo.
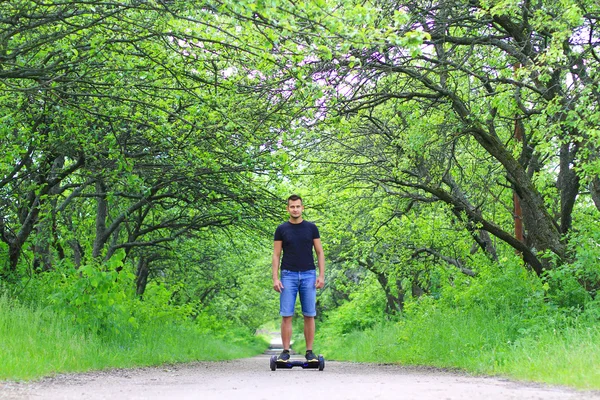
(321, 362)
(273, 363)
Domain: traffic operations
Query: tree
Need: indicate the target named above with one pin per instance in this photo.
(438, 125)
(123, 120)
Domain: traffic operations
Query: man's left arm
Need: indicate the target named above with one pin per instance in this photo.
(320, 262)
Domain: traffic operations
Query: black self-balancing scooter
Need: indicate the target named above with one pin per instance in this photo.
(297, 363)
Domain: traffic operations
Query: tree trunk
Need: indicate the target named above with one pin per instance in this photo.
(595, 191)
(46, 226)
(541, 230)
(393, 304)
(416, 290)
(142, 273)
(77, 253)
(481, 237)
(16, 243)
(568, 184)
(14, 253)
(101, 215)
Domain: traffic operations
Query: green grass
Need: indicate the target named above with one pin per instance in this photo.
(569, 357)
(480, 344)
(36, 343)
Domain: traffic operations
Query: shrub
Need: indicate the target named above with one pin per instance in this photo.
(364, 310)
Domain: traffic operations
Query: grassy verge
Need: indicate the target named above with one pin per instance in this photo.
(570, 357)
(481, 344)
(36, 343)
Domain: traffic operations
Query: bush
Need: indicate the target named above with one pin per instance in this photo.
(564, 290)
(365, 309)
(98, 297)
(498, 289)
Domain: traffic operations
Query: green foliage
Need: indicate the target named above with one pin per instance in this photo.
(565, 290)
(157, 306)
(572, 286)
(98, 297)
(101, 300)
(364, 310)
(499, 289)
(507, 298)
(227, 276)
(146, 153)
(496, 323)
(480, 343)
(39, 342)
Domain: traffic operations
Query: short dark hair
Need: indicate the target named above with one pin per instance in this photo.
(294, 197)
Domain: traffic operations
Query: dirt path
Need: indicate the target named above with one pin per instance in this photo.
(252, 379)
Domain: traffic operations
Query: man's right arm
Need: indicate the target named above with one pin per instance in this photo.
(277, 246)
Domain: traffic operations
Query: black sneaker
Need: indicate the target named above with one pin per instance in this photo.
(284, 356)
(310, 356)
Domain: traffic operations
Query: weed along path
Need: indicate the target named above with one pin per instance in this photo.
(252, 379)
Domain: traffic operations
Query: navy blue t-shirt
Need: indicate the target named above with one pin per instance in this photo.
(297, 245)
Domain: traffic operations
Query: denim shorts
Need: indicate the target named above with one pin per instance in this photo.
(298, 282)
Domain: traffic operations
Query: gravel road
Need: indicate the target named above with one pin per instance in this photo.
(251, 378)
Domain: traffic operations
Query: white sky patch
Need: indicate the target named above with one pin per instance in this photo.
(347, 87)
(229, 71)
(308, 60)
(256, 74)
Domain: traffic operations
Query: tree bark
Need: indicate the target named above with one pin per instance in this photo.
(595, 191)
(142, 273)
(393, 304)
(101, 215)
(568, 184)
(481, 237)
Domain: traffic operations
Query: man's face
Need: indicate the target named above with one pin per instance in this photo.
(295, 208)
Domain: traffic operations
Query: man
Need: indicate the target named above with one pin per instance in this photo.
(297, 238)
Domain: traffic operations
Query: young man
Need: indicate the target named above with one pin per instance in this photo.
(297, 238)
